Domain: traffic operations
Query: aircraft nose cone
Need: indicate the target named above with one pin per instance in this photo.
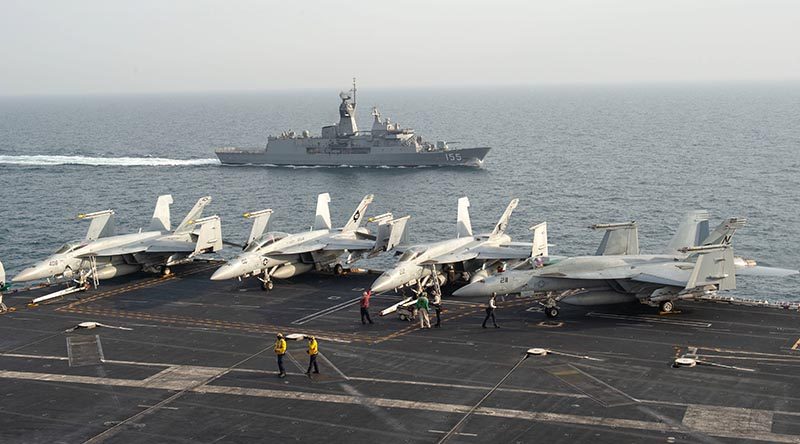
(225, 272)
(477, 288)
(383, 283)
(28, 274)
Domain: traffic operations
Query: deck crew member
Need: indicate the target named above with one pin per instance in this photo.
(280, 350)
(437, 305)
(422, 308)
(365, 307)
(490, 307)
(3, 307)
(414, 309)
(313, 351)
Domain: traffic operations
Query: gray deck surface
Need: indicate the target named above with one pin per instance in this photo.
(198, 366)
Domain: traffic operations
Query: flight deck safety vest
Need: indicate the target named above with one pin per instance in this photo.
(312, 347)
(280, 346)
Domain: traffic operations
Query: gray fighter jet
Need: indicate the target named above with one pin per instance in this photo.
(695, 264)
(277, 255)
(468, 255)
(103, 255)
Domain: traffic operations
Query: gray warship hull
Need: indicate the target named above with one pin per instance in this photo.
(457, 157)
(385, 144)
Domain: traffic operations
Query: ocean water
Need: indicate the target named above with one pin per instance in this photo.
(573, 155)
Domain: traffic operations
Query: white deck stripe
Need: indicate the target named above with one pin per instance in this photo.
(652, 319)
(753, 433)
(326, 311)
(383, 381)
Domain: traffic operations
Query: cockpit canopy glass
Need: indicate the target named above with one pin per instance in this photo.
(66, 248)
(264, 240)
(409, 255)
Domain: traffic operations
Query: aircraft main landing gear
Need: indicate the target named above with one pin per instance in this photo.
(667, 306)
(338, 270)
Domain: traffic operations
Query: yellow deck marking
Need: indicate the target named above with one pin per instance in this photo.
(796, 345)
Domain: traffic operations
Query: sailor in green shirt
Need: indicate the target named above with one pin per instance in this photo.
(423, 307)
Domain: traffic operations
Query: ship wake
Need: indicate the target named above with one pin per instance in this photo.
(45, 160)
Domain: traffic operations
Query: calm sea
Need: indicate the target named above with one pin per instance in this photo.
(573, 155)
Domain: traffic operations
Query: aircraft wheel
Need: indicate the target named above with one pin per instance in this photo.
(267, 285)
(165, 271)
(551, 312)
(338, 270)
(667, 306)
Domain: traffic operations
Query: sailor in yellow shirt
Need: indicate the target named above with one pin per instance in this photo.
(313, 350)
(280, 350)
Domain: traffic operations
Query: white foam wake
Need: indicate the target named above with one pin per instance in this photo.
(44, 160)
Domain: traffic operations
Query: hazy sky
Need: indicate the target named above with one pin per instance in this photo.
(99, 46)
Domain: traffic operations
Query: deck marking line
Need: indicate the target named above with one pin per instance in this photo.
(327, 311)
(649, 319)
(754, 430)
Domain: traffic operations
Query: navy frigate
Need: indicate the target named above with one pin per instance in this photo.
(386, 144)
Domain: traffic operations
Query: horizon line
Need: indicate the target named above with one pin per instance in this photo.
(479, 86)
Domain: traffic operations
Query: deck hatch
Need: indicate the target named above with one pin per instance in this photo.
(84, 350)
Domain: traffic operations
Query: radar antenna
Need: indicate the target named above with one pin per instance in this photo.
(354, 92)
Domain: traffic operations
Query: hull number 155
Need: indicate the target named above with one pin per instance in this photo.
(454, 157)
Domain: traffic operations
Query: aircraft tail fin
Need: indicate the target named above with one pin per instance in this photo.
(357, 219)
(724, 231)
(2, 277)
(188, 223)
(692, 229)
(463, 224)
(619, 239)
(390, 234)
(260, 224)
(161, 219)
(539, 244)
(502, 224)
(209, 239)
(322, 220)
(102, 224)
(714, 266)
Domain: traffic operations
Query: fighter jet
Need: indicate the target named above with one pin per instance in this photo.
(277, 255)
(695, 264)
(103, 255)
(471, 256)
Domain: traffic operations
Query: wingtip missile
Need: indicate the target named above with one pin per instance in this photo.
(95, 214)
(252, 214)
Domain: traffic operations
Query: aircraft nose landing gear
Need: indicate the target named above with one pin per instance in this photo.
(550, 308)
(266, 282)
(338, 269)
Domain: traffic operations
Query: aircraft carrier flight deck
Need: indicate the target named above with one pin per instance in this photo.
(185, 359)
